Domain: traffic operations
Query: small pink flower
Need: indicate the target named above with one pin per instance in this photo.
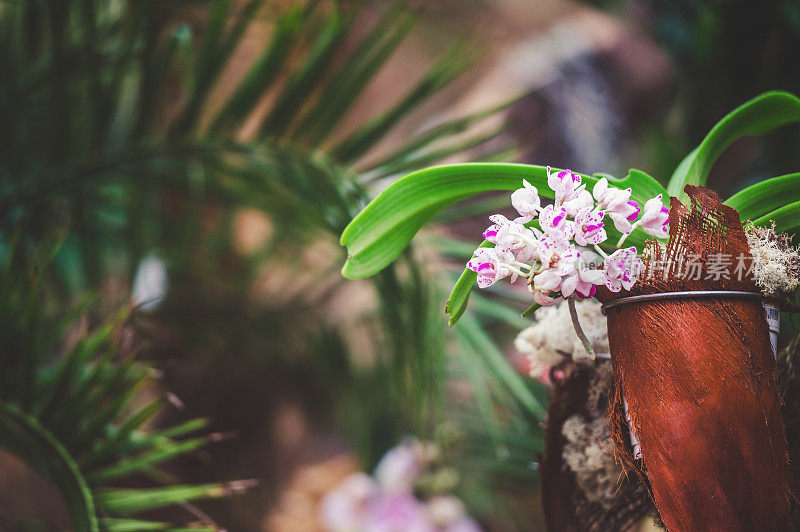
(623, 222)
(397, 513)
(398, 469)
(557, 254)
(589, 228)
(622, 269)
(542, 298)
(617, 205)
(526, 201)
(527, 253)
(547, 281)
(582, 282)
(555, 222)
(488, 264)
(447, 514)
(508, 235)
(465, 524)
(629, 209)
(345, 508)
(582, 200)
(655, 220)
(564, 183)
(491, 233)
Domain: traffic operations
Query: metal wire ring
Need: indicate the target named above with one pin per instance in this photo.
(683, 295)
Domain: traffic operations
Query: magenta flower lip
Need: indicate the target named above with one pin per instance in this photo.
(635, 214)
(592, 227)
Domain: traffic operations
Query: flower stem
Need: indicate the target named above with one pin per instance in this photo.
(519, 264)
(573, 313)
(626, 235)
(600, 251)
(517, 271)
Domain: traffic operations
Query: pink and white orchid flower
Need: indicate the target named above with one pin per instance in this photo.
(490, 265)
(565, 183)
(447, 513)
(526, 201)
(547, 281)
(589, 228)
(398, 469)
(388, 503)
(543, 298)
(346, 507)
(511, 235)
(549, 258)
(582, 282)
(557, 254)
(623, 268)
(397, 513)
(555, 222)
(617, 205)
(655, 220)
(582, 200)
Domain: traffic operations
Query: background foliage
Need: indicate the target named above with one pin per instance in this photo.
(101, 153)
(152, 129)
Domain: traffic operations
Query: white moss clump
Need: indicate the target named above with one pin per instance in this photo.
(776, 263)
(589, 460)
(552, 338)
(587, 443)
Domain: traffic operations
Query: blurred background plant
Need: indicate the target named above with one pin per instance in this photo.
(125, 136)
(722, 53)
(215, 149)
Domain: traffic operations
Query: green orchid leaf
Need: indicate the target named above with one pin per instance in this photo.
(528, 312)
(378, 235)
(766, 196)
(786, 218)
(459, 296)
(758, 116)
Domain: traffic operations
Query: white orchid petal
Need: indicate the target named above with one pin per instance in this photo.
(568, 285)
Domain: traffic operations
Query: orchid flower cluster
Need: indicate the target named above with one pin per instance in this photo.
(550, 258)
(387, 502)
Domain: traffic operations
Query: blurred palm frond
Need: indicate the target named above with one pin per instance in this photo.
(126, 123)
(71, 407)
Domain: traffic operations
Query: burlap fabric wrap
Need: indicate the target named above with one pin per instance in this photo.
(700, 382)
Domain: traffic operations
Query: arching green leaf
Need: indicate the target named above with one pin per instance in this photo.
(787, 218)
(385, 227)
(758, 116)
(766, 196)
